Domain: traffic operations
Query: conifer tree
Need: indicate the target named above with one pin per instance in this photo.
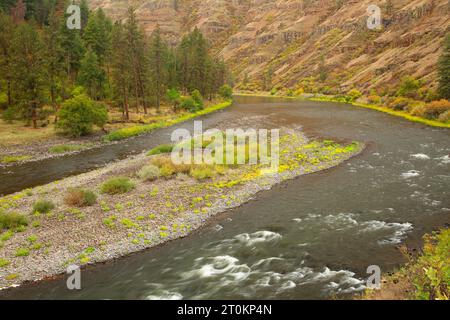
(91, 76)
(444, 70)
(121, 68)
(6, 71)
(158, 66)
(29, 75)
(54, 57)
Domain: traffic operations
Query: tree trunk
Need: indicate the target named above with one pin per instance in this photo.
(9, 93)
(34, 116)
(125, 102)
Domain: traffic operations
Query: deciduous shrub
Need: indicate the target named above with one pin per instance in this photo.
(12, 220)
(198, 100)
(80, 197)
(445, 117)
(202, 172)
(164, 148)
(374, 99)
(43, 206)
(226, 92)
(401, 104)
(79, 114)
(354, 94)
(168, 168)
(188, 104)
(434, 109)
(174, 97)
(430, 274)
(408, 87)
(149, 173)
(117, 185)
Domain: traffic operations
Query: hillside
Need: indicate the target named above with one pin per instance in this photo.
(280, 43)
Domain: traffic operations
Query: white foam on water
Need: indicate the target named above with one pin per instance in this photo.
(298, 220)
(288, 285)
(399, 230)
(257, 237)
(411, 174)
(444, 159)
(165, 295)
(343, 220)
(220, 266)
(420, 156)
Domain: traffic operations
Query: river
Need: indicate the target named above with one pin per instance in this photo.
(309, 238)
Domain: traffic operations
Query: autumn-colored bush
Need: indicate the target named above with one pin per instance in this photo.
(445, 117)
(401, 104)
(80, 197)
(434, 109)
(374, 99)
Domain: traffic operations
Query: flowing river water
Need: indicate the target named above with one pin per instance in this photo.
(309, 238)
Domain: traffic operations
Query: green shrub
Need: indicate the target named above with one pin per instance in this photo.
(79, 114)
(43, 206)
(174, 96)
(22, 252)
(4, 262)
(354, 94)
(117, 185)
(164, 148)
(80, 197)
(408, 87)
(431, 274)
(198, 99)
(226, 92)
(202, 172)
(187, 103)
(149, 173)
(12, 220)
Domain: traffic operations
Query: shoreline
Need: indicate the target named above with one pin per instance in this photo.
(104, 246)
(41, 152)
(313, 97)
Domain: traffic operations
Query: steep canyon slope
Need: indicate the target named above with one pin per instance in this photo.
(281, 43)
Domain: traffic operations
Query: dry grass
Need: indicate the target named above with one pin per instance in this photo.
(16, 133)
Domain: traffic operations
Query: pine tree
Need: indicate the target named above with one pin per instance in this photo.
(97, 35)
(29, 76)
(91, 75)
(6, 5)
(73, 50)
(136, 46)
(199, 62)
(158, 66)
(6, 71)
(121, 68)
(84, 10)
(54, 57)
(444, 70)
(323, 73)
